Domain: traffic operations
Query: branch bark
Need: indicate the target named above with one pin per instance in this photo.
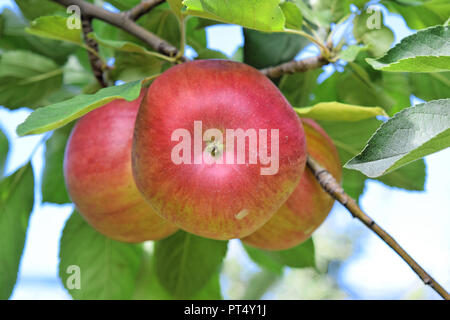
(142, 8)
(96, 62)
(295, 66)
(121, 20)
(332, 187)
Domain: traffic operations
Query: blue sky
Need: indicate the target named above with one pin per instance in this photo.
(419, 221)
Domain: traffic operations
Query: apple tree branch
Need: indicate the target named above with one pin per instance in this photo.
(332, 187)
(122, 20)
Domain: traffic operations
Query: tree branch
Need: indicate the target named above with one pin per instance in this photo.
(96, 62)
(142, 8)
(332, 187)
(295, 66)
(121, 20)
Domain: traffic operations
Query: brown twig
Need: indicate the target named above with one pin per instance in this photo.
(96, 62)
(142, 8)
(295, 66)
(332, 187)
(121, 20)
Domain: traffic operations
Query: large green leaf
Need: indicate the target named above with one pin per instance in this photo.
(26, 72)
(59, 114)
(53, 185)
(4, 147)
(420, 14)
(16, 203)
(410, 135)
(185, 263)
(263, 15)
(425, 51)
(14, 37)
(263, 50)
(107, 269)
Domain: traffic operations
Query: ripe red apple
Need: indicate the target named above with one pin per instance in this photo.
(97, 170)
(308, 205)
(204, 103)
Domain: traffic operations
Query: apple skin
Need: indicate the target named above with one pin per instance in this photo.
(308, 205)
(218, 201)
(99, 180)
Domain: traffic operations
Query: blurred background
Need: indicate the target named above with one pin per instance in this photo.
(352, 262)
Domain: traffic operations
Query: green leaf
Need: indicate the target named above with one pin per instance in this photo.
(331, 10)
(396, 86)
(163, 22)
(301, 256)
(53, 184)
(134, 66)
(176, 6)
(124, 4)
(148, 286)
(185, 263)
(355, 86)
(293, 15)
(59, 114)
(297, 87)
(349, 138)
(264, 260)
(377, 40)
(195, 34)
(263, 15)
(430, 86)
(33, 9)
(4, 147)
(55, 27)
(24, 71)
(336, 111)
(350, 53)
(107, 268)
(16, 203)
(353, 183)
(319, 17)
(259, 284)
(409, 177)
(420, 14)
(425, 51)
(210, 54)
(124, 46)
(263, 50)
(410, 135)
(14, 37)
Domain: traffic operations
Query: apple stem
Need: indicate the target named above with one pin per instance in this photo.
(334, 189)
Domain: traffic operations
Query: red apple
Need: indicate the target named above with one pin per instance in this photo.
(97, 170)
(184, 128)
(308, 205)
